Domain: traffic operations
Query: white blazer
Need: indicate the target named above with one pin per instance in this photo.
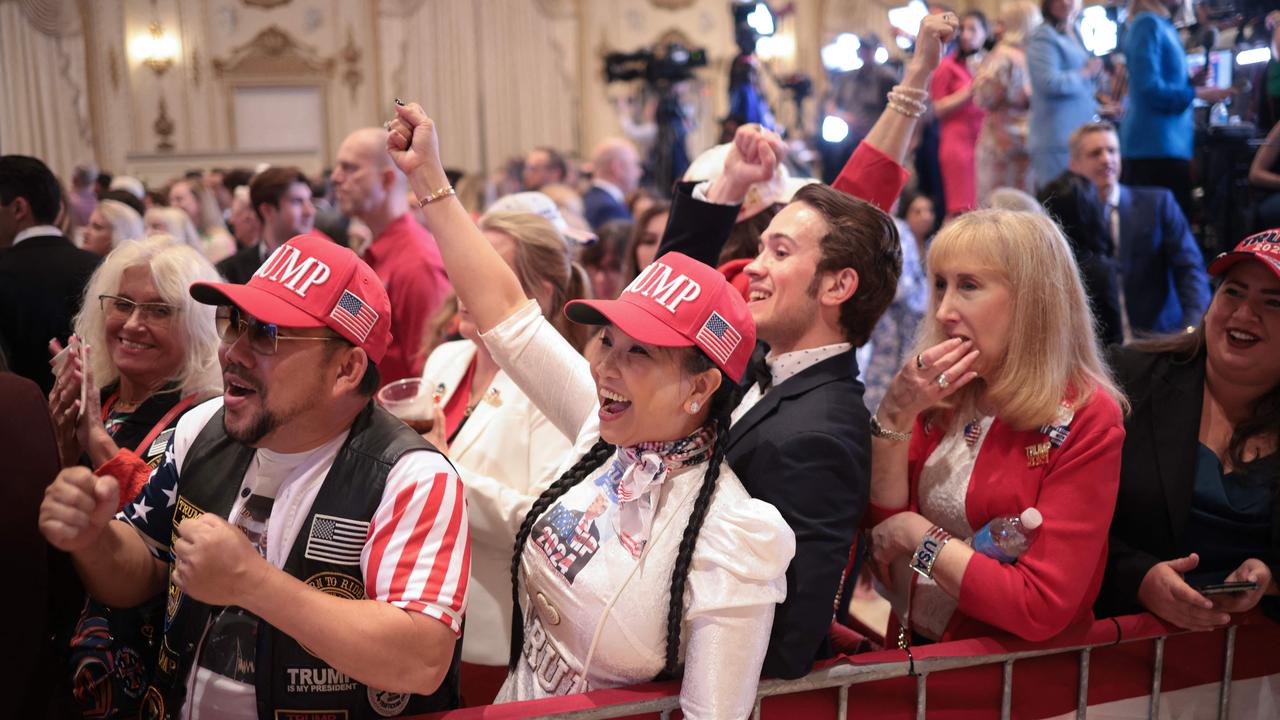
(507, 453)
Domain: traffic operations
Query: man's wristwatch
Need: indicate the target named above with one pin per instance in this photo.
(881, 431)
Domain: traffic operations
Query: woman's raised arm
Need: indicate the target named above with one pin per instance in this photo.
(480, 277)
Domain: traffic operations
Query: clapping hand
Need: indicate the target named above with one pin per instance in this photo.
(64, 398)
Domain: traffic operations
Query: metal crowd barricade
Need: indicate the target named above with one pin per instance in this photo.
(897, 684)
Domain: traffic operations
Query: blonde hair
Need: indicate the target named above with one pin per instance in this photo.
(1019, 18)
(178, 226)
(126, 223)
(543, 259)
(174, 267)
(1053, 349)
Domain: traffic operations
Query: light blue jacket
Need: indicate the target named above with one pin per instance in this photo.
(1061, 98)
(1157, 122)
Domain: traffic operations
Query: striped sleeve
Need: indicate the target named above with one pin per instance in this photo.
(151, 512)
(418, 556)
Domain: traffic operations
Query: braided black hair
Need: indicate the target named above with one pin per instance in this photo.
(722, 404)
(593, 459)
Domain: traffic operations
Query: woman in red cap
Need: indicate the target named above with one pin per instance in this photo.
(646, 556)
(1198, 480)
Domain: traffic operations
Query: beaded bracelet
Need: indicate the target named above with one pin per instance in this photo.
(902, 110)
(908, 103)
(914, 92)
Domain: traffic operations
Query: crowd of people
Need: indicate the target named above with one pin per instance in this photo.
(664, 439)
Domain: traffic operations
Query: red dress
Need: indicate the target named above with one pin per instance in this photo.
(958, 136)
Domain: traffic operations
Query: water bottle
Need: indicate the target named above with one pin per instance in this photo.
(1005, 538)
(1219, 115)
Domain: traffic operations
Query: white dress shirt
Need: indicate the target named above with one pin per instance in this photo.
(785, 366)
(36, 231)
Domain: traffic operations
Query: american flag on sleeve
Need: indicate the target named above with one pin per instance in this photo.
(418, 554)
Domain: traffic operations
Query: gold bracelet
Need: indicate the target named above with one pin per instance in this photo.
(443, 192)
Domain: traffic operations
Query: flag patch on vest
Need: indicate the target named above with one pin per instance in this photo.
(336, 540)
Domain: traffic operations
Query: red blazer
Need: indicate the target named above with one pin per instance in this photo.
(1053, 585)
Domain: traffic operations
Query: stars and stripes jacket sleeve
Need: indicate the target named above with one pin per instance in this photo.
(151, 512)
(418, 555)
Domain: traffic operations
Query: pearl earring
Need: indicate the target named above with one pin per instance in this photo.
(693, 407)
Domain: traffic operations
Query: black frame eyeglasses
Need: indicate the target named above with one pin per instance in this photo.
(264, 338)
(150, 313)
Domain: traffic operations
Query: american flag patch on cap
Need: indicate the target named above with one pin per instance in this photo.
(718, 338)
(336, 540)
(355, 315)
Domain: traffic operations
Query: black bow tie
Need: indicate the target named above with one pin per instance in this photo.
(761, 372)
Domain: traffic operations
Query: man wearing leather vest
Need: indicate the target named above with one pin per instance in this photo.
(314, 547)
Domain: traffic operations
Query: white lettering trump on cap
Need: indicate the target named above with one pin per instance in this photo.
(283, 267)
(657, 283)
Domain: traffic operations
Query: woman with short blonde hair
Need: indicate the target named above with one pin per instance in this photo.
(1007, 405)
(111, 223)
(174, 224)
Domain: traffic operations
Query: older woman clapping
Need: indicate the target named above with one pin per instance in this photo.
(153, 351)
(1007, 406)
(149, 347)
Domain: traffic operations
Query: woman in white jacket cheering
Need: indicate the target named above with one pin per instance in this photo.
(646, 556)
(504, 448)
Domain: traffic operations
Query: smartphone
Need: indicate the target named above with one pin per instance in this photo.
(1227, 588)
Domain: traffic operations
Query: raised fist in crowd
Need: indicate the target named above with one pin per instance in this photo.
(77, 507)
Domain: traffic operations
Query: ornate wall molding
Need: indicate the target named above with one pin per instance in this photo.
(273, 52)
(671, 4)
(350, 55)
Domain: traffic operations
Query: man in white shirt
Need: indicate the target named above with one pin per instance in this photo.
(315, 548)
(42, 274)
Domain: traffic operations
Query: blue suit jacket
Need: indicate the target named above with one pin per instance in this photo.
(1165, 285)
(1061, 99)
(599, 207)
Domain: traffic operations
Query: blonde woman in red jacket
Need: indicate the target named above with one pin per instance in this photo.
(1007, 406)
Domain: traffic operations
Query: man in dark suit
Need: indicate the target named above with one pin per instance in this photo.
(42, 275)
(828, 268)
(615, 171)
(1165, 288)
(281, 198)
